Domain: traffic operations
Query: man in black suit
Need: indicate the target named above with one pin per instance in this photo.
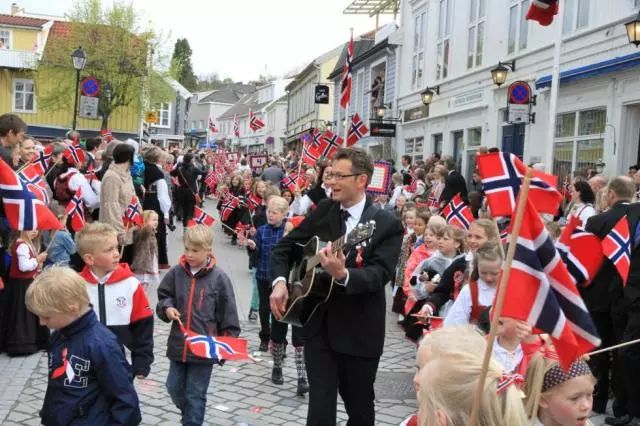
(345, 336)
(454, 183)
(615, 309)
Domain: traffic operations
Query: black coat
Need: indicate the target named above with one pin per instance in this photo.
(354, 316)
(454, 183)
(607, 286)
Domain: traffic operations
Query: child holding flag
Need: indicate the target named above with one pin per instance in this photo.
(198, 296)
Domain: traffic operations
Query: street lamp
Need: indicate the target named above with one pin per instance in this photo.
(499, 73)
(107, 94)
(427, 95)
(381, 111)
(79, 60)
(633, 30)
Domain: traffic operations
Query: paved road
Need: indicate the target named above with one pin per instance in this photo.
(240, 393)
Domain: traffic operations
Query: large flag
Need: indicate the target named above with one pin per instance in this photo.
(32, 178)
(75, 210)
(133, 214)
(330, 143)
(357, 130)
(543, 11)
(254, 122)
(215, 347)
(23, 210)
(253, 201)
(200, 217)
(541, 292)
(290, 182)
(345, 85)
(458, 213)
(502, 175)
(42, 159)
(211, 180)
(236, 126)
(212, 126)
(229, 204)
(581, 251)
(617, 247)
(74, 154)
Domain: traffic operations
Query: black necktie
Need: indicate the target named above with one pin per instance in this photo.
(344, 216)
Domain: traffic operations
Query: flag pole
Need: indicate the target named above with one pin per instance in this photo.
(346, 109)
(610, 348)
(555, 87)
(499, 300)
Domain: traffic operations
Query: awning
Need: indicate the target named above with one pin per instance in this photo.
(593, 70)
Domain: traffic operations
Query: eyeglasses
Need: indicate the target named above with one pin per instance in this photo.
(338, 176)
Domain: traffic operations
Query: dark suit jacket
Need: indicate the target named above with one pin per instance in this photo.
(453, 183)
(354, 316)
(607, 286)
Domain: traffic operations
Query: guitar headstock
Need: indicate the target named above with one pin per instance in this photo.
(361, 234)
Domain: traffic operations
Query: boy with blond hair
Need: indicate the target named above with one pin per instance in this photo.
(117, 294)
(197, 296)
(88, 380)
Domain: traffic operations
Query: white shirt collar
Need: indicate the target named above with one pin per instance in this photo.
(356, 210)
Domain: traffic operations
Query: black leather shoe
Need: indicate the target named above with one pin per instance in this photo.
(303, 387)
(264, 346)
(618, 421)
(276, 376)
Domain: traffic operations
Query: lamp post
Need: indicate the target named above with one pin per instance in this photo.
(499, 73)
(79, 60)
(427, 95)
(633, 31)
(381, 111)
(107, 93)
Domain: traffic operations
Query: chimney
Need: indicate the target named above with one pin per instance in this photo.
(15, 9)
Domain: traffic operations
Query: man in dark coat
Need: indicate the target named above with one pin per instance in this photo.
(345, 336)
(454, 183)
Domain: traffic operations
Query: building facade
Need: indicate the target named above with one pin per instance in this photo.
(598, 108)
(172, 118)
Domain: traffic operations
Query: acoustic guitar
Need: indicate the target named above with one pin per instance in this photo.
(306, 294)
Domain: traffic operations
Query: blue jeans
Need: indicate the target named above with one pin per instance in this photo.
(187, 385)
(255, 301)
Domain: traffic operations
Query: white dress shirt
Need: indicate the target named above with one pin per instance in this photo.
(460, 312)
(508, 359)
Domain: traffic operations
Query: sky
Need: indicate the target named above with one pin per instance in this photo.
(241, 39)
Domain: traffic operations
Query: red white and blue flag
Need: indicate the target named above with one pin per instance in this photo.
(541, 292)
(254, 122)
(345, 84)
(357, 130)
(330, 144)
(200, 217)
(106, 134)
(617, 247)
(75, 210)
(212, 126)
(216, 347)
(457, 213)
(253, 201)
(32, 178)
(581, 251)
(236, 126)
(74, 153)
(502, 175)
(133, 214)
(211, 180)
(90, 174)
(290, 182)
(229, 204)
(543, 11)
(42, 159)
(23, 210)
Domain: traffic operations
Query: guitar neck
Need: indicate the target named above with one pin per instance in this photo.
(336, 246)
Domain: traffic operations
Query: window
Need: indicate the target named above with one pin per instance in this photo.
(24, 96)
(444, 38)
(477, 20)
(576, 15)
(419, 31)
(518, 26)
(437, 143)
(579, 141)
(201, 125)
(360, 92)
(636, 3)
(457, 139)
(193, 124)
(5, 38)
(415, 148)
(164, 112)
(474, 136)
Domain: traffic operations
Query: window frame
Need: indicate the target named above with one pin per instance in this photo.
(475, 51)
(521, 27)
(10, 37)
(14, 91)
(160, 110)
(443, 44)
(414, 142)
(419, 43)
(572, 16)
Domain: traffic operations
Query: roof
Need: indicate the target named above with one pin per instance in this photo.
(229, 94)
(22, 21)
(184, 93)
(359, 48)
(243, 106)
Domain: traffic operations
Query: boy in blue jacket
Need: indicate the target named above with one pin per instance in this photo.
(88, 372)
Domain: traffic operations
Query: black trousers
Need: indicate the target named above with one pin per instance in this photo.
(161, 238)
(630, 362)
(270, 328)
(330, 372)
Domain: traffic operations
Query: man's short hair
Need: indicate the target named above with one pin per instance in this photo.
(93, 236)
(55, 290)
(623, 187)
(199, 237)
(11, 122)
(92, 143)
(360, 161)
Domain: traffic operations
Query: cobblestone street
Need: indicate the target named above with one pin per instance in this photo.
(240, 393)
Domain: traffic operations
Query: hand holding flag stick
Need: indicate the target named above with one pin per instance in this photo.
(499, 300)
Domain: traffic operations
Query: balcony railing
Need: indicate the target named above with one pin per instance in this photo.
(18, 59)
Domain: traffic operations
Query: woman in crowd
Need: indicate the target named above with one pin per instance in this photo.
(583, 200)
(187, 191)
(157, 199)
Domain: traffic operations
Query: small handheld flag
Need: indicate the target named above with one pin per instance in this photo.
(215, 347)
(617, 247)
(133, 214)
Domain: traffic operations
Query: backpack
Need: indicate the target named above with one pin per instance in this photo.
(61, 191)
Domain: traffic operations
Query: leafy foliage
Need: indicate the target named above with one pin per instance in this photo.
(181, 68)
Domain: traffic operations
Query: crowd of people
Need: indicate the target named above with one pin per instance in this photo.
(89, 284)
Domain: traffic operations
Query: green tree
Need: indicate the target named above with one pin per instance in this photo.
(119, 52)
(181, 67)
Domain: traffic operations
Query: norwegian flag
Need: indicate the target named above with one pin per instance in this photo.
(290, 182)
(311, 148)
(457, 213)
(357, 130)
(42, 159)
(229, 204)
(345, 85)
(133, 214)
(253, 201)
(211, 180)
(200, 217)
(254, 122)
(106, 134)
(502, 174)
(236, 126)
(218, 347)
(241, 232)
(74, 153)
(23, 210)
(504, 236)
(329, 145)
(66, 369)
(90, 174)
(541, 292)
(617, 247)
(75, 210)
(32, 178)
(432, 200)
(543, 11)
(413, 184)
(581, 251)
(212, 126)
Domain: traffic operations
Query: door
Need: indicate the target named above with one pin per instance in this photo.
(513, 139)
(458, 146)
